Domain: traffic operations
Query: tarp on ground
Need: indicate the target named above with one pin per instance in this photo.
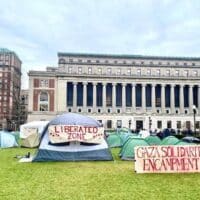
(170, 140)
(127, 151)
(30, 133)
(72, 151)
(153, 140)
(7, 140)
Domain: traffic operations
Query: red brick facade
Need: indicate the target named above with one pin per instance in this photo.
(36, 94)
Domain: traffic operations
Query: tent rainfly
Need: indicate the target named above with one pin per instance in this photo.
(127, 151)
(30, 133)
(7, 140)
(73, 137)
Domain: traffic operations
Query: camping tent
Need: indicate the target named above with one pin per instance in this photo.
(153, 140)
(191, 139)
(30, 133)
(144, 133)
(60, 128)
(7, 140)
(170, 140)
(127, 151)
(114, 140)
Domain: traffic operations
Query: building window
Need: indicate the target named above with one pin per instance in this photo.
(169, 124)
(195, 73)
(118, 71)
(97, 61)
(89, 70)
(69, 110)
(44, 83)
(99, 110)
(139, 72)
(89, 110)
(69, 70)
(158, 72)
(176, 63)
(148, 72)
(80, 60)
(193, 64)
(100, 70)
(129, 71)
(108, 110)
(109, 71)
(186, 73)
(185, 64)
(177, 72)
(119, 123)
(106, 61)
(159, 124)
(79, 110)
(70, 60)
(142, 62)
(160, 63)
(89, 61)
(168, 72)
(124, 62)
(43, 101)
(80, 70)
(118, 110)
(178, 124)
(109, 123)
(115, 61)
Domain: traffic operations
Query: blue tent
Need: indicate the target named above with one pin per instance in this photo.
(72, 151)
(7, 140)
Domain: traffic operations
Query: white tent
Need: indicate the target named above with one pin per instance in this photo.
(30, 133)
(144, 133)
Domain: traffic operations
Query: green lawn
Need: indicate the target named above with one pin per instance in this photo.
(89, 180)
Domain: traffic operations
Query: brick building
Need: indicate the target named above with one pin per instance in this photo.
(10, 83)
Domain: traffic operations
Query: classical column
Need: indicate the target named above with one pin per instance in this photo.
(74, 96)
(190, 98)
(94, 96)
(133, 96)
(123, 97)
(113, 97)
(163, 98)
(181, 99)
(172, 98)
(104, 97)
(84, 96)
(143, 97)
(153, 97)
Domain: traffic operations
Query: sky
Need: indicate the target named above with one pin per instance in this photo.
(38, 29)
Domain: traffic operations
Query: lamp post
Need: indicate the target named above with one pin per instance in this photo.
(194, 114)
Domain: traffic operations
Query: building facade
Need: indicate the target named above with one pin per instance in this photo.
(10, 84)
(138, 92)
(23, 106)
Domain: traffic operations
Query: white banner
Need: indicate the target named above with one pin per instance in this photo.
(167, 159)
(68, 133)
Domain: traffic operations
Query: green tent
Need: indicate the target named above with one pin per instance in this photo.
(127, 151)
(114, 140)
(184, 143)
(170, 140)
(153, 140)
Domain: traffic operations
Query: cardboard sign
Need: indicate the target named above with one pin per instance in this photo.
(167, 159)
(69, 133)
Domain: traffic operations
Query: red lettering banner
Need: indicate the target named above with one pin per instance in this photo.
(167, 159)
(69, 133)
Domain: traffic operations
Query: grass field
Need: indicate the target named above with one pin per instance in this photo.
(89, 180)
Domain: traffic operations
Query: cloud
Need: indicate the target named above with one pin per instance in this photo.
(37, 30)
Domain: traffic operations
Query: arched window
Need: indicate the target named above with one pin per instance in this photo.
(44, 101)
